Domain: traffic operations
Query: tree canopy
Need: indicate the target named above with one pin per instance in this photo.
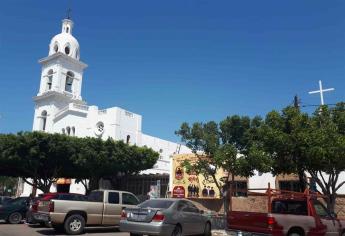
(225, 145)
(307, 145)
(286, 142)
(45, 157)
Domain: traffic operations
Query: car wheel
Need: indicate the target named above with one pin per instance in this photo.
(207, 231)
(74, 224)
(177, 231)
(15, 218)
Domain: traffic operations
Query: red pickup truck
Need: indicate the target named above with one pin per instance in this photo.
(290, 214)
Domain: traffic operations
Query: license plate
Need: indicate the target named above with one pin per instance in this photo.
(41, 217)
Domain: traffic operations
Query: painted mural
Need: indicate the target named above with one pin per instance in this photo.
(192, 185)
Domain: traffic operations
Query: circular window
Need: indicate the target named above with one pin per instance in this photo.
(67, 50)
(56, 48)
(99, 128)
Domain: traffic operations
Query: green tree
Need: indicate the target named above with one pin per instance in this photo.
(44, 157)
(281, 135)
(314, 145)
(324, 150)
(225, 145)
(35, 155)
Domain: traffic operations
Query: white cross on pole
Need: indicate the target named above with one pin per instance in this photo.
(321, 91)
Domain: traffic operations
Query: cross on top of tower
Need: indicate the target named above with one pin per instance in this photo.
(321, 91)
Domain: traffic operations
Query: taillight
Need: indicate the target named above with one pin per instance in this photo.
(271, 222)
(51, 206)
(123, 215)
(158, 217)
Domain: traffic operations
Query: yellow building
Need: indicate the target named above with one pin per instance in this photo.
(192, 185)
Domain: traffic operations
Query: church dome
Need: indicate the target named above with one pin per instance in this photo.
(65, 42)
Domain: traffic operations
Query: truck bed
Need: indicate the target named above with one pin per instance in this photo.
(269, 223)
(62, 207)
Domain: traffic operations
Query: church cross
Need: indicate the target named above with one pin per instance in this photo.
(321, 91)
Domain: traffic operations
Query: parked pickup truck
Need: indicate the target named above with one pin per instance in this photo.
(293, 216)
(102, 207)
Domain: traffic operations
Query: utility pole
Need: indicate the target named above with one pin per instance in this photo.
(296, 102)
(301, 177)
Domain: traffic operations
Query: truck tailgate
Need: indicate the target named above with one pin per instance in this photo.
(43, 206)
(248, 221)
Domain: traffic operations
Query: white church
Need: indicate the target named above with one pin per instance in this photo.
(59, 107)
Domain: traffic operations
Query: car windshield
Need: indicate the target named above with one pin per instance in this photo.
(163, 204)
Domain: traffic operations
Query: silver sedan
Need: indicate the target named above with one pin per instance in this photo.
(170, 217)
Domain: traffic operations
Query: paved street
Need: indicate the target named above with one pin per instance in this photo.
(23, 229)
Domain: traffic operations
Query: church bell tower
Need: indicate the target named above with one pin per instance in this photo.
(61, 78)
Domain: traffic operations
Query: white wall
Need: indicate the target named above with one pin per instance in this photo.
(261, 181)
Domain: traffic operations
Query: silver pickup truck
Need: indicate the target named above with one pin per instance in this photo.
(102, 208)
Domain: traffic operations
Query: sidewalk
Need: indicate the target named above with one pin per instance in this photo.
(221, 232)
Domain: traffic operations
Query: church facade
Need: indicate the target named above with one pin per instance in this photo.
(59, 107)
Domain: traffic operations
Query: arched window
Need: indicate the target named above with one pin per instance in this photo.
(68, 129)
(128, 138)
(44, 120)
(69, 81)
(67, 29)
(73, 131)
(50, 79)
(63, 131)
(56, 47)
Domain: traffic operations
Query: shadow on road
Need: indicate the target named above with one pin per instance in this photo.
(91, 230)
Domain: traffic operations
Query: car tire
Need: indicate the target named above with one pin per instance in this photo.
(177, 231)
(207, 230)
(15, 218)
(74, 224)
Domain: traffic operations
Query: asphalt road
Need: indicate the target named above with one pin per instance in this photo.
(29, 230)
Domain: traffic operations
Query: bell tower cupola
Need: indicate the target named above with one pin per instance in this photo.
(67, 26)
(65, 42)
(62, 70)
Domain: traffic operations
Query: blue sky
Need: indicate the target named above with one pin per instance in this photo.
(175, 61)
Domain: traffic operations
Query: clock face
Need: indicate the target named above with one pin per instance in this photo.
(99, 128)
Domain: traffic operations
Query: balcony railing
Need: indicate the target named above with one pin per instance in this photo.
(72, 106)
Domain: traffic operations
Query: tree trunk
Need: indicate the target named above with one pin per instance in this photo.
(34, 187)
(93, 183)
(302, 180)
(231, 191)
(45, 188)
(331, 200)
